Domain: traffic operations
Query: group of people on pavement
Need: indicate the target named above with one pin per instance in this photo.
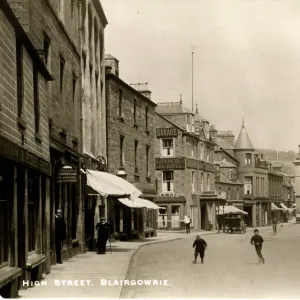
(104, 232)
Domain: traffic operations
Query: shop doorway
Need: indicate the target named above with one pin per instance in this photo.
(175, 216)
(203, 216)
(248, 218)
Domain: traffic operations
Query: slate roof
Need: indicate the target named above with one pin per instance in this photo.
(172, 108)
(225, 164)
(243, 142)
(225, 179)
(224, 144)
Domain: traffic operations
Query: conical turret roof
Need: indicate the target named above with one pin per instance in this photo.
(243, 142)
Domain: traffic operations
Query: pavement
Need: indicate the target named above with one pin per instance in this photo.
(86, 273)
(230, 268)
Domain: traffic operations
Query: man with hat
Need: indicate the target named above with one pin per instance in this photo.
(60, 234)
(104, 230)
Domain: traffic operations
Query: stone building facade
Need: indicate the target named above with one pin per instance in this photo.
(24, 158)
(53, 27)
(130, 150)
(184, 168)
(92, 25)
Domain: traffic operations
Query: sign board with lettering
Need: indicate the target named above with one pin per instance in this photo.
(176, 163)
(166, 132)
(67, 176)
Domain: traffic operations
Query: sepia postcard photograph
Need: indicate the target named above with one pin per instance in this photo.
(149, 149)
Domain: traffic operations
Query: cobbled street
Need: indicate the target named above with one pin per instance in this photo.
(230, 268)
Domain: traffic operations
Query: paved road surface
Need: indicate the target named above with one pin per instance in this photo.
(230, 269)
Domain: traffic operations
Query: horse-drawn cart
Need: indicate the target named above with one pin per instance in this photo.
(231, 219)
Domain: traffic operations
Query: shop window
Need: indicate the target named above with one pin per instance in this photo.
(167, 147)
(6, 177)
(175, 216)
(168, 181)
(162, 217)
(33, 209)
(74, 210)
(149, 218)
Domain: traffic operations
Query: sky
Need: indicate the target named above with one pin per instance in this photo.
(246, 60)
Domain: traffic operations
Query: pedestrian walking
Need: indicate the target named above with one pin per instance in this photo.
(187, 222)
(274, 223)
(200, 246)
(104, 230)
(257, 241)
(60, 234)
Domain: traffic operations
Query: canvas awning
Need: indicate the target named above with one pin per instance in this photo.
(139, 203)
(274, 207)
(290, 210)
(229, 209)
(107, 184)
(283, 206)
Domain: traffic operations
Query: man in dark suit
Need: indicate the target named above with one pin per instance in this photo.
(60, 234)
(104, 231)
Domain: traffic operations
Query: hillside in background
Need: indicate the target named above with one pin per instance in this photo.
(285, 157)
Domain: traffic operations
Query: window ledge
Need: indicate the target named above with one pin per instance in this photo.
(21, 123)
(38, 137)
(8, 275)
(35, 260)
(121, 119)
(135, 126)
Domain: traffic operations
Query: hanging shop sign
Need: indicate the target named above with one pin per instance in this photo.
(177, 163)
(166, 132)
(67, 176)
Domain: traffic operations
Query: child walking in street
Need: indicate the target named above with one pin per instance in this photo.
(257, 241)
(200, 245)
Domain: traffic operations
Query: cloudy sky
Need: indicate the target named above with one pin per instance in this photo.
(246, 62)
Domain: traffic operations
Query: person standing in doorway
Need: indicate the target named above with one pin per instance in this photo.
(257, 241)
(104, 231)
(187, 222)
(60, 234)
(200, 246)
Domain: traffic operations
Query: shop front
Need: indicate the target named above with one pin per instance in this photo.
(24, 217)
(172, 211)
(209, 202)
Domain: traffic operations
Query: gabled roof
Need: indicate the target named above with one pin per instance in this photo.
(225, 164)
(224, 144)
(225, 179)
(172, 108)
(243, 142)
(171, 121)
